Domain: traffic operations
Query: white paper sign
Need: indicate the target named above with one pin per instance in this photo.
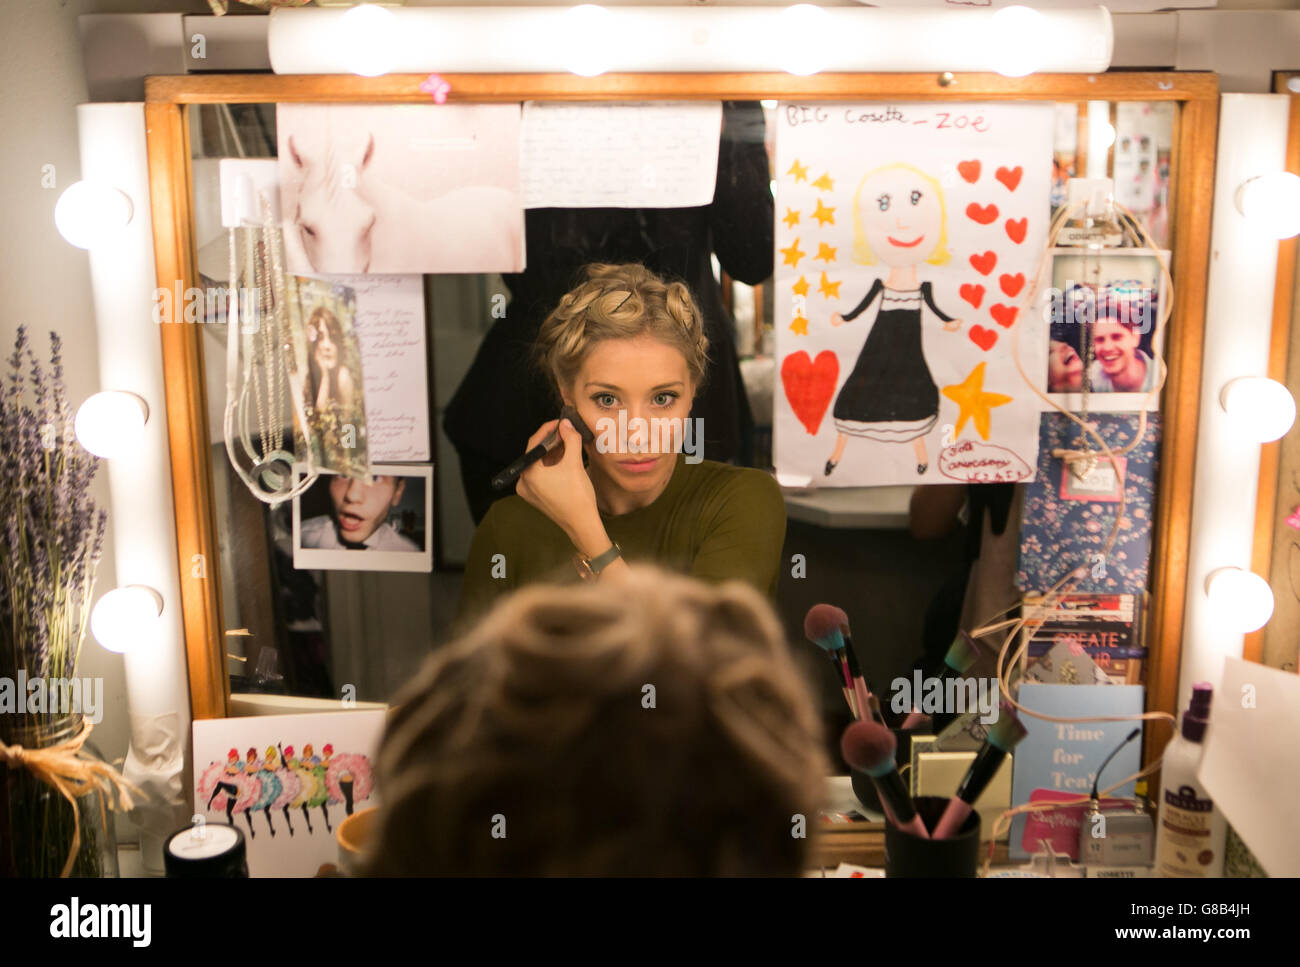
(628, 155)
(390, 328)
(908, 236)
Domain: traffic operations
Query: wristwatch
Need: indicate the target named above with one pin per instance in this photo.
(589, 569)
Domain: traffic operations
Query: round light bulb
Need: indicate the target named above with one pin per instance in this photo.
(127, 619)
(1017, 35)
(586, 32)
(1271, 203)
(1261, 408)
(111, 423)
(90, 213)
(367, 36)
(804, 29)
(1240, 601)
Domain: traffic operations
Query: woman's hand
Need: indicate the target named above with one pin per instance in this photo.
(559, 487)
(837, 319)
(952, 325)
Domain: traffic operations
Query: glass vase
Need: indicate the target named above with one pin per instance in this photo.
(37, 822)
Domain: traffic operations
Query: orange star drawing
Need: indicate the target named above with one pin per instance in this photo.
(973, 402)
(829, 289)
(791, 218)
(824, 182)
(793, 254)
(824, 214)
(800, 326)
(800, 287)
(825, 252)
(799, 171)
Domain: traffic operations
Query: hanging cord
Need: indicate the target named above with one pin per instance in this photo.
(1012, 627)
(269, 342)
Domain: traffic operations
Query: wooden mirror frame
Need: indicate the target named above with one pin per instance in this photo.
(1191, 174)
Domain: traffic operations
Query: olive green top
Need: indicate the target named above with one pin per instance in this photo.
(713, 521)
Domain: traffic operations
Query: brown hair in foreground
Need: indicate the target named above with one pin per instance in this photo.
(535, 724)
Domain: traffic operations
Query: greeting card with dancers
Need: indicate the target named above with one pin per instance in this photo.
(286, 782)
(907, 238)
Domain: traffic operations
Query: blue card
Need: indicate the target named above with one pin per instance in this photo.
(1059, 760)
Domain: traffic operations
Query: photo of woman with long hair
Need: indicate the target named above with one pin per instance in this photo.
(330, 379)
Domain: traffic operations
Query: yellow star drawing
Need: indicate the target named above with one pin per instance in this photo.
(800, 287)
(829, 289)
(793, 254)
(800, 326)
(791, 218)
(824, 214)
(825, 252)
(824, 182)
(799, 171)
(973, 402)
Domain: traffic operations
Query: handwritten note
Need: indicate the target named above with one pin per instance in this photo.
(390, 326)
(629, 155)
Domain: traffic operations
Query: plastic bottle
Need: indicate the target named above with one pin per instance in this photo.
(1190, 829)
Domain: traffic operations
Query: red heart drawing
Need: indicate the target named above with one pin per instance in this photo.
(809, 385)
(984, 215)
(974, 294)
(1011, 284)
(985, 263)
(1016, 229)
(1010, 177)
(984, 338)
(1004, 316)
(970, 170)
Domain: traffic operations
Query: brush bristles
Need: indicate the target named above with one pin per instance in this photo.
(1008, 730)
(822, 626)
(961, 654)
(869, 747)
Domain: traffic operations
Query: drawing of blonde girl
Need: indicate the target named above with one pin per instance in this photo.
(900, 221)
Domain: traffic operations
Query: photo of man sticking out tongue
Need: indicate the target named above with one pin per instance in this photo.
(359, 517)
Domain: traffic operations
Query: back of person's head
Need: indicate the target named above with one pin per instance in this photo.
(654, 725)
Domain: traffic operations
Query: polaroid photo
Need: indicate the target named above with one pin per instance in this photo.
(343, 523)
(1118, 294)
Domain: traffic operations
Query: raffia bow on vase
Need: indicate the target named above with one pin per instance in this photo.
(74, 775)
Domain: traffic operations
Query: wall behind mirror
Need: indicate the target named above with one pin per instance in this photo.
(314, 632)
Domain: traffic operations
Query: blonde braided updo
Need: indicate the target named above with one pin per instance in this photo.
(620, 302)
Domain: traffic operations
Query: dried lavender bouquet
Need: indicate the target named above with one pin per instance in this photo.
(52, 534)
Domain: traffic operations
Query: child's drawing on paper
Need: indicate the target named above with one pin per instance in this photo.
(909, 235)
(899, 221)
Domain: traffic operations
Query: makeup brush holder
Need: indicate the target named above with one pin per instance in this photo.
(865, 789)
(910, 856)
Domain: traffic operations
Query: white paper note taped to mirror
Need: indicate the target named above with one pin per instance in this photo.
(628, 155)
(1251, 766)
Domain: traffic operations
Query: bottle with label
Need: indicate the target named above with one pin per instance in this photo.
(1190, 830)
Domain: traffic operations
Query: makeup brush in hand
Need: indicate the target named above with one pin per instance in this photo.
(1002, 738)
(869, 747)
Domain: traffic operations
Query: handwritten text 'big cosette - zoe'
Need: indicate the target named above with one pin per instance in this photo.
(798, 114)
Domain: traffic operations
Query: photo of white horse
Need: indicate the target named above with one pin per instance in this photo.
(400, 188)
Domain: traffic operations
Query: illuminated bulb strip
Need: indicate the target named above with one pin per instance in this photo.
(746, 39)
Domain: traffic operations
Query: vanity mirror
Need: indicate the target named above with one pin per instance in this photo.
(331, 629)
